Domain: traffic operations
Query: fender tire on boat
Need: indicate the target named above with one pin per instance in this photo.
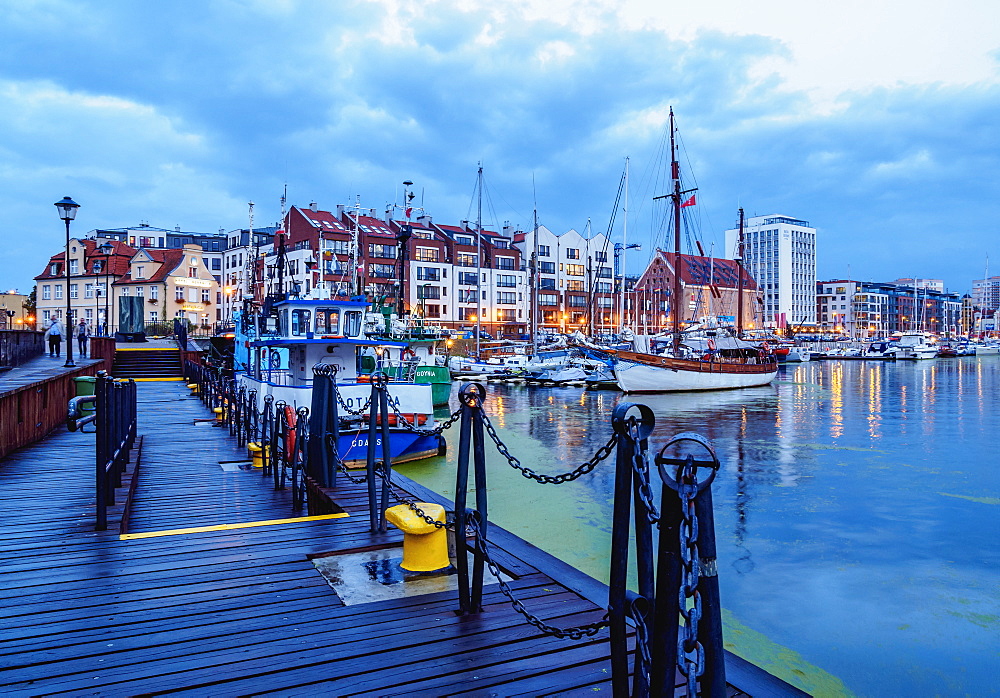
(290, 434)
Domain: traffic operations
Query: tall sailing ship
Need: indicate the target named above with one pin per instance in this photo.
(708, 360)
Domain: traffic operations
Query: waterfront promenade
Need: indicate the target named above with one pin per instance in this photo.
(241, 610)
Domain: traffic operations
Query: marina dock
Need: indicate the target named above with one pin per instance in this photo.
(205, 582)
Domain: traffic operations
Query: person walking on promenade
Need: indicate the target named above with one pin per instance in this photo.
(54, 334)
(82, 333)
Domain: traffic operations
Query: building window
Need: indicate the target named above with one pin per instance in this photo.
(74, 266)
(381, 271)
(178, 293)
(465, 259)
(548, 299)
(428, 274)
(46, 292)
(216, 264)
(506, 281)
(547, 267)
(544, 251)
(464, 240)
(547, 284)
(574, 270)
(427, 292)
(574, 286)
(205, 297)
(468, 278)
(383, 251)
(427, 254)
(193, 272)
(505, 263)
(154, 292)
(572, 253)
(138, 291)
(506, 298)
(577, 301)
(154, 316)
(59, 292)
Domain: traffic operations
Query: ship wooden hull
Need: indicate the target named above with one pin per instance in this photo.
(649, 373)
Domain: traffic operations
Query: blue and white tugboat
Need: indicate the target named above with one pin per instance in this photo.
(277, 349)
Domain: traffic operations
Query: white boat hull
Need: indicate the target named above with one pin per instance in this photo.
(636, 377)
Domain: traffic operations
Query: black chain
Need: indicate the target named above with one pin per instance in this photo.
(690, 652)
(602, 453)
(406, 424)
(362, 410)
(640, 466)
(575, 633)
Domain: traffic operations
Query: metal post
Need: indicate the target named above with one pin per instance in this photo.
(101, 451)
(479, 453)
(470, 396)
(374, 516)
(713, 681)
(383, 404)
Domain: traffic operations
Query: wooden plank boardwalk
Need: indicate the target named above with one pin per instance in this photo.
(243, 610)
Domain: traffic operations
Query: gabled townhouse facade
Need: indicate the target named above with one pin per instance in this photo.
(168, 284)
(576, 284)
(710, 288)
(94, 265)
(442, 273)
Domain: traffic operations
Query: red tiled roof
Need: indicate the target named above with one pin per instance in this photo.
(118, 260)
(700, 271)
(168, 261)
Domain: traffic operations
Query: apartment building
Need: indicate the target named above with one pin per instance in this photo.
(779, 252)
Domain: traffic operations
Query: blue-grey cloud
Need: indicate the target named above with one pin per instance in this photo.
(179, 113)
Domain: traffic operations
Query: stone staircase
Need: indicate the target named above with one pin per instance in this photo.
(147, 363)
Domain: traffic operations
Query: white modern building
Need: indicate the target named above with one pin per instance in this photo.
(575, 279)
(986, 293)
(780, 254)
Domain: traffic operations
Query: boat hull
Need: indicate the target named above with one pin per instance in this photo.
(646, 373)
(404, 446)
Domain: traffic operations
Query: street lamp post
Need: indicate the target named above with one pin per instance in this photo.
(67, 211)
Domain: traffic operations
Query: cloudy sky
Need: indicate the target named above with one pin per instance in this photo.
(876, 121)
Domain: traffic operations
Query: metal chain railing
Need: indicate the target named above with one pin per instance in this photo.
(577, 632)
(582, 469)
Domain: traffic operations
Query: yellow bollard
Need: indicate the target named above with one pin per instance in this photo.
(425, 547)
(257, 453)
(193, 387)
(220, 414)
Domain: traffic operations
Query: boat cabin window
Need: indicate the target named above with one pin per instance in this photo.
(328, 321)
(300, 322)
(352, 323)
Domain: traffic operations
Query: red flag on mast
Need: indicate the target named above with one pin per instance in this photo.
(689, 202)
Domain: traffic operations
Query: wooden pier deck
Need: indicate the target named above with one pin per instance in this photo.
(238, 611)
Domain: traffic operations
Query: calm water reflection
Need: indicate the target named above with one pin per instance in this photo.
(856, 511)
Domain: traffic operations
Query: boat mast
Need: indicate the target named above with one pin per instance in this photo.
(479, 259)
(356, 285)
(739, 278)
(621, 315)
(675, 174)
(281, 246)
(533, 272)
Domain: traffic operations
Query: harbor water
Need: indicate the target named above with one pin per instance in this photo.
(857, 513)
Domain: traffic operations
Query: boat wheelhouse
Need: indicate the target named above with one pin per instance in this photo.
(277, 352)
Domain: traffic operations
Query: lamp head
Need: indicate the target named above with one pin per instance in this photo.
(67, 208)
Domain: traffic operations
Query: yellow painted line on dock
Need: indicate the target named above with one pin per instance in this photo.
(229, 527)
(154, 380)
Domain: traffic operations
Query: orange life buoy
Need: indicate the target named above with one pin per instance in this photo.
(407, 354)
(290, 433)
(711, 344)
